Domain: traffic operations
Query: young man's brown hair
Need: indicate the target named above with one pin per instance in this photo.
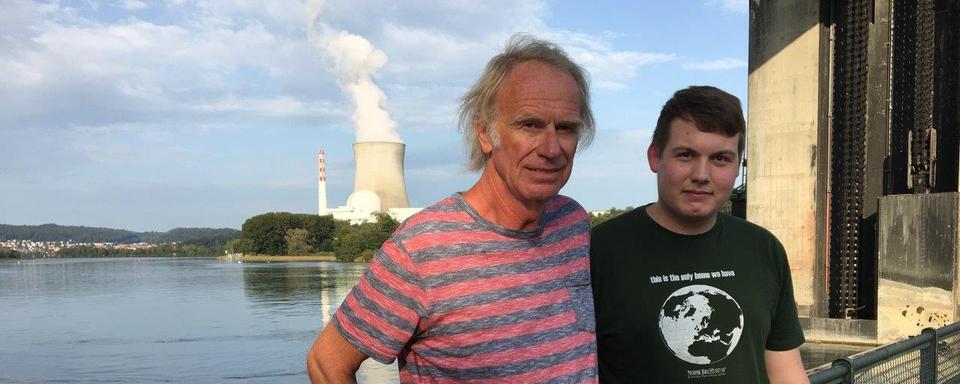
(709, 108)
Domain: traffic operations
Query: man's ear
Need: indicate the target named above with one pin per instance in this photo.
(653, 158)
(485, 143)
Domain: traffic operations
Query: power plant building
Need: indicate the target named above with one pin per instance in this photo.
(378, 184)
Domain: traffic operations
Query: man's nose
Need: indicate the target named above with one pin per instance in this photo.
(549, 142)
(701, 172)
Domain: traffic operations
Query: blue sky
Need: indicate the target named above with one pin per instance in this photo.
(155, 115)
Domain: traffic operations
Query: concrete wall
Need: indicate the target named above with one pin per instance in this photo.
(783, 122)
(918, 264)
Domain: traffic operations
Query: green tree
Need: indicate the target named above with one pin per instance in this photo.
(164, 250)
(267, 232)
(7, 253)
(322, 230)
(365, 237)
(296, 239)
(359, 243)
(243, 246)
(609, 214)
(386, 223)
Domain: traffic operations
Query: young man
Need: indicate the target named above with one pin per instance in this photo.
(491, 285)
(684, 294)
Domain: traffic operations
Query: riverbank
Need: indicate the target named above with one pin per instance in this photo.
(269, 258)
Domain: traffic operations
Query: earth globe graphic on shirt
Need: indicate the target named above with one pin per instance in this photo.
(701, 324)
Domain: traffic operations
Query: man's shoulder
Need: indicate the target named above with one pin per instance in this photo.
(740, 227)
(562, 202)
(743, 235)
(626, 221)
(560, 206)
(444, 210)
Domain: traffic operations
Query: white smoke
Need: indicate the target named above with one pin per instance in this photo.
(354, 60)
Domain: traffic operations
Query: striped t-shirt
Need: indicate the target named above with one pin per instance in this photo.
(459, 299)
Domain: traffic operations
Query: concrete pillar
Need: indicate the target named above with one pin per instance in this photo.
(786, 86)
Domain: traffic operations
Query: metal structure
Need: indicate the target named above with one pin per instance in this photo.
(854, 120)
(933, 357)
(898, 56)
(848, 162)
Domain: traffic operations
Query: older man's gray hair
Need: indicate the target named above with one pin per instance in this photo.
(479, 104)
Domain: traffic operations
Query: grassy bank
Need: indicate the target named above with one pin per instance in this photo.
(268, 258)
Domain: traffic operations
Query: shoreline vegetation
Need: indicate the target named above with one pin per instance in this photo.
(268, 237)
(328, 256)
(274, 236)
(278, 234)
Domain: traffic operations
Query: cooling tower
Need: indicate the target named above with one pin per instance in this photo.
(380, 170)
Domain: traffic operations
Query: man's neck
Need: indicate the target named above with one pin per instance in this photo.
(678, 224)
(491, 198)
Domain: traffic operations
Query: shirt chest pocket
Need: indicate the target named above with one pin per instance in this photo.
(581, 300)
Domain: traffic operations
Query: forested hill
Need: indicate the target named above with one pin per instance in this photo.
(80, 234)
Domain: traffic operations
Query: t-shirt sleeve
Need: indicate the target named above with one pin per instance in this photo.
(785, 332)
(383, 311)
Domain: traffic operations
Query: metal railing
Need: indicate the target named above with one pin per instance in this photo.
(933, 357)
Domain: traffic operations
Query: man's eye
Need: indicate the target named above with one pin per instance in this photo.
(684, 155)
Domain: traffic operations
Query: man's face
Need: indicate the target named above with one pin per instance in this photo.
(695, 171)
(537, 122)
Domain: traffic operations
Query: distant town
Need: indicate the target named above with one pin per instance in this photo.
(52, 248)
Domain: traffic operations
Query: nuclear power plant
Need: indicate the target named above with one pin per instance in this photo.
(379, 169)
(378, 184)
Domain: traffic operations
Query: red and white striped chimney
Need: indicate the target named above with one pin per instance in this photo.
(321, 183)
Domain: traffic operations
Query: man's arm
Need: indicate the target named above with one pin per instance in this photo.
(785, 367)
(332, 359)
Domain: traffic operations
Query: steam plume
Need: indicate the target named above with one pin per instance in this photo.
(354, 61)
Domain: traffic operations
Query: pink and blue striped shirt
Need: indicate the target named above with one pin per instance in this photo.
(458, 299)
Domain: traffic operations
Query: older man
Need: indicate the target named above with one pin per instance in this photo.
(491, 284)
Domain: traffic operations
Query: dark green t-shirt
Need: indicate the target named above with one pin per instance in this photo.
(677, 308)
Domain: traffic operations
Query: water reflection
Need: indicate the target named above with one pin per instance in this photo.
(170, 320)
(306, 285)
(313, 288)
(817, 354)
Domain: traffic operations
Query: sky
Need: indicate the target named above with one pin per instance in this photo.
(154, 115)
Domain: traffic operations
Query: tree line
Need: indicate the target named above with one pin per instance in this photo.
(81, 234)
(163, 250)
(297, 234)
(273, 233)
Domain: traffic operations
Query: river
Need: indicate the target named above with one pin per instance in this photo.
(181, 320)
(144, 320)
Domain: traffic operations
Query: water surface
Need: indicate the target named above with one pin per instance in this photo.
(179, 320)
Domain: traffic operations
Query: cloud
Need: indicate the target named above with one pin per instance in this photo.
(62, 73)
(610, 69)
(276, 107)
(206, 92)
(716, 65)
(133, 5)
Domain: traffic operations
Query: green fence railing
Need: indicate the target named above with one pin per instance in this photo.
(933, 357)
